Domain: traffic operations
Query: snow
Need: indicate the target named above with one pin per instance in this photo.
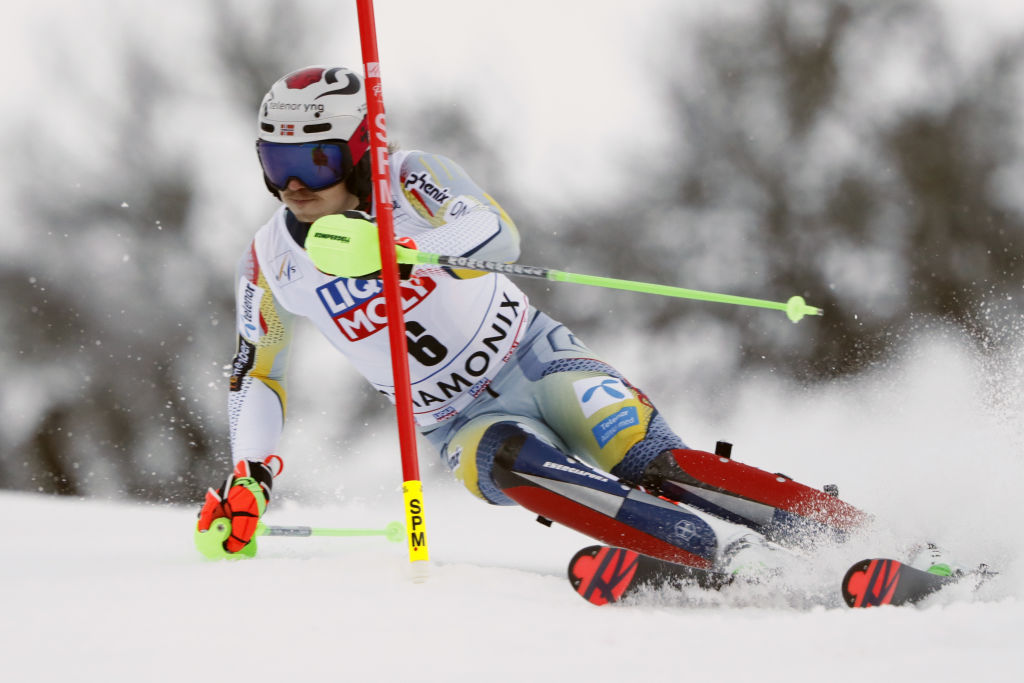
(106, 590)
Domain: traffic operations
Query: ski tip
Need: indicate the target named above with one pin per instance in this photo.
(877, 582)
(869, 583)
(601, 575)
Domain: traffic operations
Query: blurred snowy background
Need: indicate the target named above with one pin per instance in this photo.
(863, 154)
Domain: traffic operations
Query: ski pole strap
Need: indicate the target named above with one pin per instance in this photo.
(795, 307)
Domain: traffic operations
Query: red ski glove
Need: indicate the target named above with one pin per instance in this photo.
(234, 510)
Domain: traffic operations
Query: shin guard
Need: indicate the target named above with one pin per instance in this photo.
(773, 504)
(544, 480)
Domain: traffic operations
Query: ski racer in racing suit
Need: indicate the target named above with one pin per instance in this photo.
(519, 409)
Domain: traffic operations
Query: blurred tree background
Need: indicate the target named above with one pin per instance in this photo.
(850, 151)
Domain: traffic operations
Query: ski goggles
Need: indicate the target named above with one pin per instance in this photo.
(317, 165)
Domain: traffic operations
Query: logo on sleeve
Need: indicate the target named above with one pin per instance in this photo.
(459, 207)
(250, 321)
(419, 186)
(242, 364)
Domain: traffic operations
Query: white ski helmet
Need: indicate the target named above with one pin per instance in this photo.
(316, 104)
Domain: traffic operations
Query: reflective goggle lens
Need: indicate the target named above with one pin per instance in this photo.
(317, 165)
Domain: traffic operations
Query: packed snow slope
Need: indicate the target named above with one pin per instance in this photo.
(113, 591)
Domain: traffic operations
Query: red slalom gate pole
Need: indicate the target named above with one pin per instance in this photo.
(412, 487)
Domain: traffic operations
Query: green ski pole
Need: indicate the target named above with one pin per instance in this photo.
(210, 543)
(347, 246)
(394, 531)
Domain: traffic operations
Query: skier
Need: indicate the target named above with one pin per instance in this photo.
(519, 409)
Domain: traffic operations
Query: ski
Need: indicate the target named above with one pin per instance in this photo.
(875, 582)
(602, 574)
